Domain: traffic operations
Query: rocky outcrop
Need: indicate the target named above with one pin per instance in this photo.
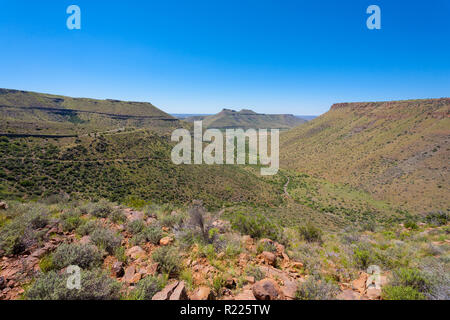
(173, 291)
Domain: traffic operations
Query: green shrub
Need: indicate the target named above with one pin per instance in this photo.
(136, 226)
(24, 230)
(117, 216)
(153, 234)
(147, 288)
(95, 285)
(439, 218)
(83, 255)
(71, 220)
(119, 253)
(99, 209)
(401, 293)
(86, 228)
(106, 239)
(46, 264)
(363, 257)
(168, 260)
(150, 234)
(313, 289)
(310, 233)
(410, 277)
(257, 226)
(410, 224)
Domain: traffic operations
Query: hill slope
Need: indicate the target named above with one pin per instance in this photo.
(397, 151)
(37, 113)
(247, 119)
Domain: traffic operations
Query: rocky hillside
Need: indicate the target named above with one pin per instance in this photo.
(169, 253)
(247, 119)
(397, 151)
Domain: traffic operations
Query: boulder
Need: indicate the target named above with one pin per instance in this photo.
(135, 252)
(202, 293)
(2, 283)
(360, 283)
(117, 269)
(179, 293)
(131, 276)
(165, 293)
(267, 289)
(269, 258)
(166, 241)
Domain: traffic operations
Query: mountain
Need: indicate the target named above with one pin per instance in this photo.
(24, 112)
(246, 119)
(398, 151)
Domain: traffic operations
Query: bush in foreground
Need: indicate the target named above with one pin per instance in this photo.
(313, 289)
(95, 285)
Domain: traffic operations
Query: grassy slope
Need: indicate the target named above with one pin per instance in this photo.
(120, 165)
(37, 113)
(248, 119)
(396, 151)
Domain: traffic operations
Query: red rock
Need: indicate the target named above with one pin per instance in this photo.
(267, 289)
(135, 252)
(165, 293)
(166, 241)
(269, 258)
(179, 293)
(202, 293)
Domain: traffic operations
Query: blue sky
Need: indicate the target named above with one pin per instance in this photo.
(201, 56)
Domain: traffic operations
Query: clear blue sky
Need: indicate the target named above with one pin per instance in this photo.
(201, 56)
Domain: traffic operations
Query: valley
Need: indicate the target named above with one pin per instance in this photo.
(91, 181)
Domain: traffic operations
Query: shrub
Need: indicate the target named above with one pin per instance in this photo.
(363, 257)
(410, 224)
(71, 220)
(153, 234)
(99, 209)
(168, 260)
(23, 231)
(83, 255)
(401, 293)
(88, 227)
(310, 233)
(439, 218)
(135, 226)
(95, 285)
(106, 239)
(46, 264)
(410, 277)
(254, 271)
(119, 253)
(150, 234)
(147, 288)
(257, 226)
(117, 216)
(313, 289)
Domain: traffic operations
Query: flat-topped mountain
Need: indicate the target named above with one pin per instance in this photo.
(246, 119)
(398, 150)
(24, 112)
